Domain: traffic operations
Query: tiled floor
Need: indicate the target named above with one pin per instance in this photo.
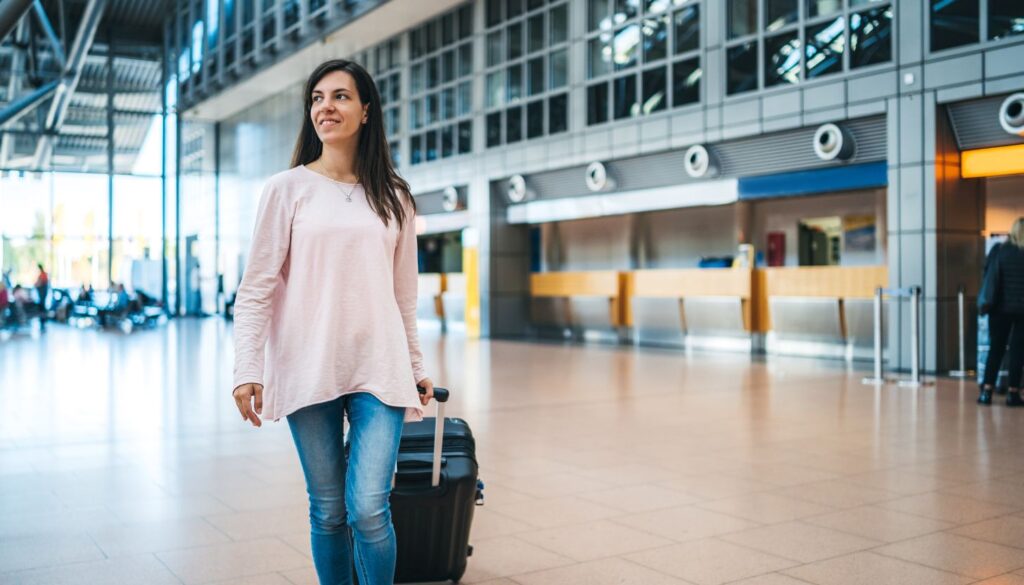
(123, 461)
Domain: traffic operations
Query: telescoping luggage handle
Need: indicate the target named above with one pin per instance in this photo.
(441, 396)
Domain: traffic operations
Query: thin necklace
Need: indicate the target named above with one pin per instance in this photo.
(338, 184)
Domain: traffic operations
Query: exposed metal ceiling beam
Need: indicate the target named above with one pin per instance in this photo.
(33, 132)
(24, 104)
(44, 21)
(134, 52)
(11, 12)
(93, 87)
(72, 75)
(13, 85)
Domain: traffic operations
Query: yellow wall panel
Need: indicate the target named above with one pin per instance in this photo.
(992, 162)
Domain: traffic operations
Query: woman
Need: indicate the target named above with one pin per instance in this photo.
(1002, 299)
(330, 289)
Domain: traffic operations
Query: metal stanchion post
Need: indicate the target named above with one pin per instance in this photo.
(877, 378)
(961, 372)
(915, 335)
(915, 339)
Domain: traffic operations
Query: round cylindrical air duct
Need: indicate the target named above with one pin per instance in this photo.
(516, 189)
(833, 142)
(450, 200)
(1011, 114)
(699, 163)
(598, 178)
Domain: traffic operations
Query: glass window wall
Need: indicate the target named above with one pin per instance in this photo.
(954, 23)
(62, 221)
(774, 43)
(385, 62)
(1005, 18)
(441, 75)
(642, 57)
(957, 23)
(527, 69)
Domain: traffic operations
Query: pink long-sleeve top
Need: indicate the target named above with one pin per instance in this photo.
(327, 303)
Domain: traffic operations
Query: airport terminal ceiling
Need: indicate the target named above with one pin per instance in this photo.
(67, 128)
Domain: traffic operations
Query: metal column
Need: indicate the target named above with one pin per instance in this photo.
(169, 61)
(110, 155)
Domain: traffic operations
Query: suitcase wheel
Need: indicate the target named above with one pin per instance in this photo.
(469, 551)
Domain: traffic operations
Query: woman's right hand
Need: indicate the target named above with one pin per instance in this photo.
(249, 400)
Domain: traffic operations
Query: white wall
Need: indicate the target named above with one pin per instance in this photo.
(601, 243)
(678, 238)
(783, 215)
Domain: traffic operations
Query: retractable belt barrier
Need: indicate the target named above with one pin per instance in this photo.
(914, 294)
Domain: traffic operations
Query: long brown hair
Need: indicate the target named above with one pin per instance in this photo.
(373, 165)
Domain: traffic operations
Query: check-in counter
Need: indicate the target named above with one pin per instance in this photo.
(690, 306)
(819, 310)
(580, 301)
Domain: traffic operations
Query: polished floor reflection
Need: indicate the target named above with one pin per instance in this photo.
(123, 461)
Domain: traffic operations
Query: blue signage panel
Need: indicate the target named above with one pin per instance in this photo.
(844, 178)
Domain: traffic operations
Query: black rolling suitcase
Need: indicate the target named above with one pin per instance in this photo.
(436, 489)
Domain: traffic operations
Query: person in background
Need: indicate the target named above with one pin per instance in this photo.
(42, 285)
(21, 299)
(121, 297)
(1002, 299)
(4, 302)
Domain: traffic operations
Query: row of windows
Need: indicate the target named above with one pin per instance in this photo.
(960, 22)
(539, 31)
(646, 92)
(442, 68)
(441, 142)
(779, 42)
(499, 11)
(441, 106)
(607, 14)
(385, 61)
(440, 84)
(525, 80)
(528, 121)
(643, 56)
(743, 14)
(528, 61)
(442, 32)
(645, 42)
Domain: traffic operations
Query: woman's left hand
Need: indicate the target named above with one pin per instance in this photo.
(428, 386)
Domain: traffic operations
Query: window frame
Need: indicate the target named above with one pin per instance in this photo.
(984, 42)
(417, 126)
(501, 109)
(641, 67)
(393, 71)
(801, 26)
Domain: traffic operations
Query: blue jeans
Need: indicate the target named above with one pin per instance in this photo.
(356, 497)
